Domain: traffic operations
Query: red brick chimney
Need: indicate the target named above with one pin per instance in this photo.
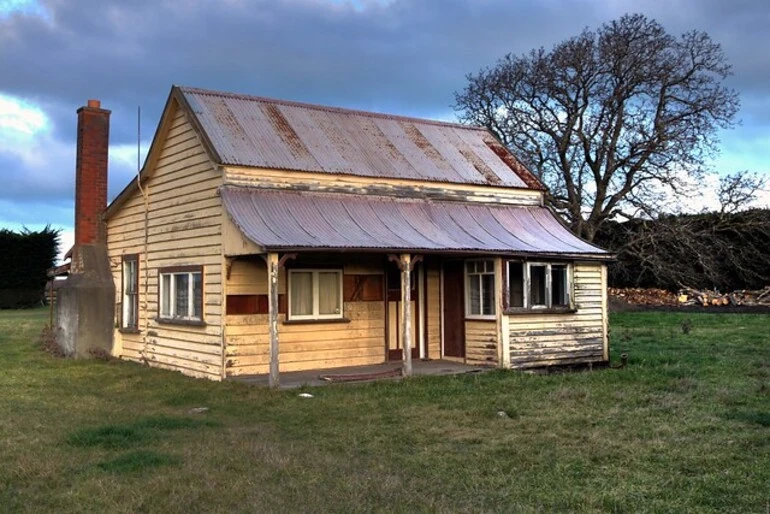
(91, 173)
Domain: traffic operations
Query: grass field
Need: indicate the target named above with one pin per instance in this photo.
(684, 428)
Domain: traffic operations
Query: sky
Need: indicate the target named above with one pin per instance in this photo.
(403, 57)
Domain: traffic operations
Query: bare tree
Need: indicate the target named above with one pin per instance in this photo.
(610, 120)
(738, 190)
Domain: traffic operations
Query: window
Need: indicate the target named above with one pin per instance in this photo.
(130, 308)
(480, 288)
(181, 293)
(538, 285)
(315, 294)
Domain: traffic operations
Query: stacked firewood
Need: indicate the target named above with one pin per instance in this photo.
(644, 296)
(692, 296)
(744, 297)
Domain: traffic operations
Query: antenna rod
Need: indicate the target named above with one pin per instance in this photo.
(138, 137)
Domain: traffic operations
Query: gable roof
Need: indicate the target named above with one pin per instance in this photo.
(242, 130)
(266, 133)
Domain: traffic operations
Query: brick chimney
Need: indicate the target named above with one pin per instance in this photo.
(91, 173)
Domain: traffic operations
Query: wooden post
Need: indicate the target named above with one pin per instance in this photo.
(501, 303)
(272, 310)
(405, 264)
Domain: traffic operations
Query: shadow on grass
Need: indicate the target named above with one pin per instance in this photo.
(136, 461)
(130, 434)
(751, 417)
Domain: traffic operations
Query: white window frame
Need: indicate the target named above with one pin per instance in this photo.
(548, 285)
(174, 311)
(468, 275)
(130, 299)
(316, 315)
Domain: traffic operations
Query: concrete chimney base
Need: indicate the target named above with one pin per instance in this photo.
(85, 304)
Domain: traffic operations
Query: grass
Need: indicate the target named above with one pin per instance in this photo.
(685, 427)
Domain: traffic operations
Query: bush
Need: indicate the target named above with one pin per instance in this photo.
(24, 260)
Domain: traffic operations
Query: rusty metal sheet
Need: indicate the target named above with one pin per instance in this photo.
(281, 220)
(265, 133)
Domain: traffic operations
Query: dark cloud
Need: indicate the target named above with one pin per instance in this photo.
(403, 56)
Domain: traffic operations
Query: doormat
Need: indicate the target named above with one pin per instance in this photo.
(360, 377)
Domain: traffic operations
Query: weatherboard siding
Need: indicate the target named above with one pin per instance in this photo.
(184, 228)
(538, 340)
(481, 342)
(305, 346)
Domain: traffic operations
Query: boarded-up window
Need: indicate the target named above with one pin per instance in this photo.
(363, 288)
(245, 304)
(242, 304)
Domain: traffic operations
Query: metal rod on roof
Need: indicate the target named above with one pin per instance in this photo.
(138, 140)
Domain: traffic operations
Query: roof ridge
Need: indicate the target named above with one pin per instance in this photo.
(327, 108)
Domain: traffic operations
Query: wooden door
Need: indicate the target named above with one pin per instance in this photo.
(395, 339)
(454, 309)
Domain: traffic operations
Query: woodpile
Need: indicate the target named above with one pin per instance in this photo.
(692, 296)
(644, 296)
(743, 297)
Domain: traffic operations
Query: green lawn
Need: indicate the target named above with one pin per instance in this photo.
(684, 428)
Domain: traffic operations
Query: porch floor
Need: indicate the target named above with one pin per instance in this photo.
(295, 379)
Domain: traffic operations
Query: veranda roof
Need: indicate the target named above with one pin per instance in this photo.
(304, 221)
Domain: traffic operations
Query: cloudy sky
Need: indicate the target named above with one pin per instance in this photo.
(397, 56)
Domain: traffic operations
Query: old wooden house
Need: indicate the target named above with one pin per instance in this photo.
(266, 236)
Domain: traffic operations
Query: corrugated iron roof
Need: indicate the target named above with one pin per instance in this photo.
(292, 220)
(267, 133)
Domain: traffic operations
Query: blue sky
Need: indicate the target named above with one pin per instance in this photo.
(398, 56)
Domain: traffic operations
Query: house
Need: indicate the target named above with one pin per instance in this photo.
(265, 236)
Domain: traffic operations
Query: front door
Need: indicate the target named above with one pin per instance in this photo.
(454, 309)
(395, 338)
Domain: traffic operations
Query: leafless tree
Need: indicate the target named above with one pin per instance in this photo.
(611, 120)
(738, 190)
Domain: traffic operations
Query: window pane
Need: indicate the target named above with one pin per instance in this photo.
(537, 285)
(182, 294)
(488, 296)
(130, 294)
(559, 297)
(130, 316)
(301, 293)
(516, 284)
(474, 294)
(197, 295)
(328, 293)
(165, 309)
(129, 276)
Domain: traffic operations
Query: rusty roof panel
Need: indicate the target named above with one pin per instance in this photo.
(265, 133)
(282, 220)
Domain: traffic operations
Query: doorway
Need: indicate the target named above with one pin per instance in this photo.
(395, 337)
(453, 315)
